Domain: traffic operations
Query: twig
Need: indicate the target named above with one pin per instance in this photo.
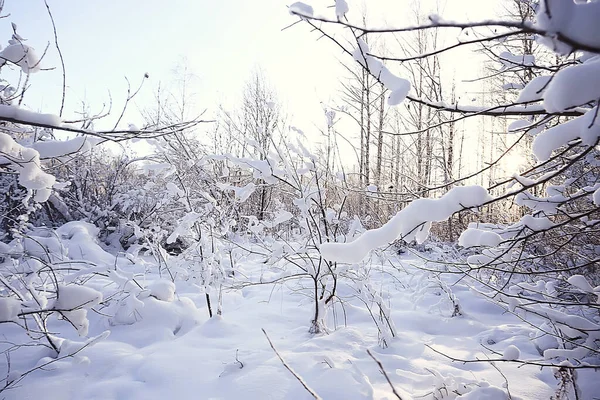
(62, 60)
(387, 378)
(298, 377)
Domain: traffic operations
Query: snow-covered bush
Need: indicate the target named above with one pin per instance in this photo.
(58, 197)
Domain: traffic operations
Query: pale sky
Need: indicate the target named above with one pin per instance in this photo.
(223, 40)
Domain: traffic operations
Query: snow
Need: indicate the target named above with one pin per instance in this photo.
(241, 193)
(534, 90)
(170, 348)
(9, 309)
(472, 237)
(512, 352)
(280, 217)
(26, 116)
(573, 86)
(372, 188)
(73, 297)
(26, 161)
(524, 181)
(413, 222)
(21, 55)
(485, 393)
(581, 282)
(586, 127)
(398, 87)
(512, 86)
(163, 290)
(536, 223)
(301, 9)
(60, 148)
(510, 60)
(577, 21)
(173, 190)
(518, 125)
(73, 302)
(341, 8)
(134, 323)
(184, 226)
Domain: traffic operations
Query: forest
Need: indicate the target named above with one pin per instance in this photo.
(431, 237)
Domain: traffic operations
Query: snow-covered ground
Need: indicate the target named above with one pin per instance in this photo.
(162, 345)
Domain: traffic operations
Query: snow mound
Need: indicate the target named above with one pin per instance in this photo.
(485, 393)
(163, 290)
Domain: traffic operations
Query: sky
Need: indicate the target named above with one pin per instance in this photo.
(222, 43)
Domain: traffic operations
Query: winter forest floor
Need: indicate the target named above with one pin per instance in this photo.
(172, 350)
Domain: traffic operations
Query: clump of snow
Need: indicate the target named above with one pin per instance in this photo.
(330, 117)
(69, 347)
(341, 8)
(534, 90)
(513, 86)
(81, 243)
(9, 309)
(510, 60)
(398, 87)
(577, 21)
(476, 237)
(280, 217)
(511, 353)
(413, 222)
(26, 116)
(241, 193)
(518, 125)
(26, 161)
(173, 190)
(71, 297)
(524, 181)
(61, 148)
(73, 301)
(163, 290)
(536, 223)
(22, 55)
(581, 282)
(301, 9)
(586, 127)
(372, 188)
(184, 226)
(573, 86)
